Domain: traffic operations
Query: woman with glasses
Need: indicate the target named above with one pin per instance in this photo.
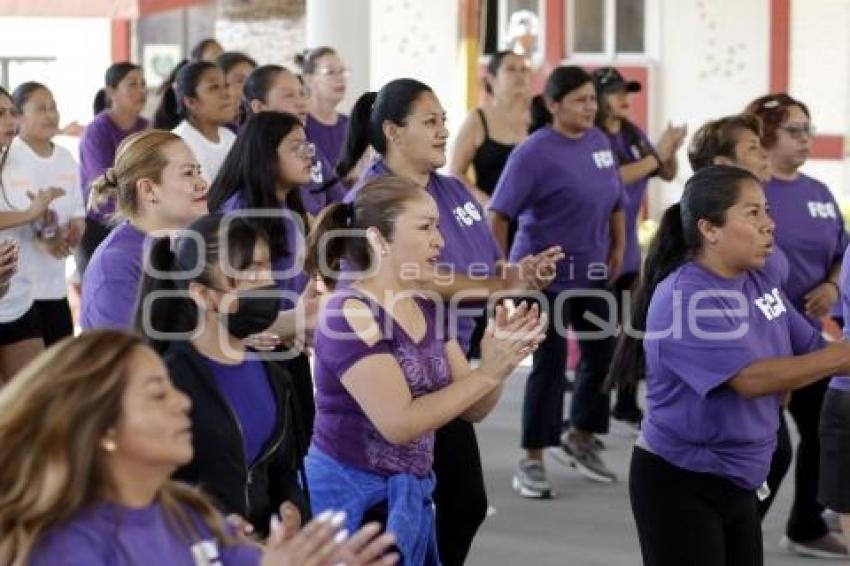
(325, 77)
(271, 159)
(272, 87)
(810, 229)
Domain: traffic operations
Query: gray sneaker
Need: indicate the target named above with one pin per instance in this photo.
(828, 546)
(530, 480)
(585, 457)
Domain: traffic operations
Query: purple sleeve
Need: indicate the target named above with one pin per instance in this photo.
(515, 186)
(112, 299)
(96, 154)
(340, 344)
(805, 337)
(709, 351)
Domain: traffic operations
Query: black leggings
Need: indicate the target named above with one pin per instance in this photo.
(779, 464)
(692, 519)
(95, 233)
(55, 319)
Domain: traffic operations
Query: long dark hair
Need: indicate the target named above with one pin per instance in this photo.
(114, 75)
(172, 110)
(561, 81)
(707, 196)
(631, 133)
(164, 305)
(257, 87)
(251, 169)
(376, 205)
(393, 102)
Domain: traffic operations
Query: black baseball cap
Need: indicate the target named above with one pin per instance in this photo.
(609, 79)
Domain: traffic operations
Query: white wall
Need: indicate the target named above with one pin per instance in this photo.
(82, 48)
(713, 59)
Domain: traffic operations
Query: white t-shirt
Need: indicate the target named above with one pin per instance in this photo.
(27, 171)
(209, 154)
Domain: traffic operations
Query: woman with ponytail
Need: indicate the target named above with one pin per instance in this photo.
(720, 345)
(563, 188)
(117, 107)
(272, 87)
(197, 107)
(157, 186)
(270, 160)
(405, 124)
(248, 438)
(736, 140)
(388, 373)
(325, 77)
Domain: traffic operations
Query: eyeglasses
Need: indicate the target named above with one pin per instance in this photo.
(305, 149)
(797, 131)
(333, 72)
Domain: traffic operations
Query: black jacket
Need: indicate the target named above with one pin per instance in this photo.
(218, 466)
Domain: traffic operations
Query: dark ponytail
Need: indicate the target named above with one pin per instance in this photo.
(376, 205)
(708, 194)
(357, 136)
(164, 305)
(172, 110)
(393, 102)
(561, 81)
(115, 73)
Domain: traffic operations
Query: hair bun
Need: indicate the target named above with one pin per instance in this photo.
(110, 177)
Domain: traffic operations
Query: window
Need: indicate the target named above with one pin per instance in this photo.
(607, 27)
(516, 25)
(17, 70)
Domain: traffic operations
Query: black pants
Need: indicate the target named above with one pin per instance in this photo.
(627, 393)
(55, 319)
(460, 495)
(543, 406)
(95, 233)
(805, 522)
(779, 464)
(692, 519)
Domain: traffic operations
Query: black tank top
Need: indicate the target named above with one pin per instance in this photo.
(489, 159)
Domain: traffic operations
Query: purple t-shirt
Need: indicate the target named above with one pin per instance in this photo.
(98, 145)
(247, 390)
(810, 230)
(469, 245)
(842, 382)
(107, 534)
(625, 153)
(703, 330)
(289, 274)
(328, 139)
(313, 199)
(111, 284)
(562, 192)
(342, 429)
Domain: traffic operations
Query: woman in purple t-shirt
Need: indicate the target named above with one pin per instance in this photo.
(272, 87)
(325, 77)
(157, 186)
(111, 431)
(562, 187)
(638, 160)
(117, 107)
(736, 140)
(387, 374)
(720, 344)
(810, 229)
(404, 123)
